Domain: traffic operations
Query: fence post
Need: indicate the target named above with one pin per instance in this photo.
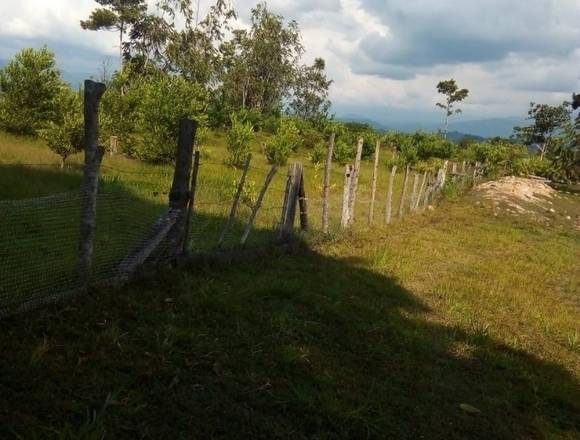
(388, 207)
(453, 167)
(346, 196)
(374, 184)
(258, 204)
(236, 201)
(463, 167)
(326, 194)
(290, 200)
(191, 203)
(354, 181)
(302, 201)
(414, 193)
(113, 145)
(404, 193)
(93, 156)
(421, 189)
(179, 196)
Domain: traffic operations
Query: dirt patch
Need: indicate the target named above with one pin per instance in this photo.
(533, 198)
(518, 193)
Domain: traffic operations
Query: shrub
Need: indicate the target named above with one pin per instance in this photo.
(238, 141)
(286, 141)
(343, 152)
(29, 88)
(66, 137)
(318, 154)
(162, 102)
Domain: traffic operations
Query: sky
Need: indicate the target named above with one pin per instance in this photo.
(385, 56)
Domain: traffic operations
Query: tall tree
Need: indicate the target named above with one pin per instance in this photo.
(29, 86)
(453, 95)
(310, 95)
(547, 122)
(116, 15)
(264, 60)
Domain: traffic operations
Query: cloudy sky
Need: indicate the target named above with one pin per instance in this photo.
(385, 56)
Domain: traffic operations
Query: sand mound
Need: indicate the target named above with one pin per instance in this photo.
(518, 193)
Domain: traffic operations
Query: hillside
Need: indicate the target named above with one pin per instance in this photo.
(369, 344)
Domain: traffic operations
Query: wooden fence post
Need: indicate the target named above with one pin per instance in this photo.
(421, 189)
(374, 184)
(258, 204)
(463, 167)
(113, 145)
(414, 193)
(404, 193)
(346, 195)
(236, 202)
(93, 157)
(326, 195)
(454, 168)
(290, 201)
(302, 202)
(191, 203)
(388, 207)
(180, 196)
(354, 181)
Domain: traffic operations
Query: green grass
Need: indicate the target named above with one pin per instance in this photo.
(452, 324)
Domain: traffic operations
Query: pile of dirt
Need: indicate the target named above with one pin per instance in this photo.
(518, 193)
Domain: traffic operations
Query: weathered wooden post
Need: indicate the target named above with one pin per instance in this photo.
(404, 192)
(454, 168)
(354, 181)
(191, 203)
(236, 202)
(290, 201)
(388, 207)
(302, 201)
(344, 219)
(374, 184)
(113, 145)
(326, 195)
(179, 196)
(93, 157)
(258, 204)
(414, 193)
(421, 189)
(463, 167)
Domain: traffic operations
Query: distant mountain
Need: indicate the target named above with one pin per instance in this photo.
(483, 128)
(456, 136)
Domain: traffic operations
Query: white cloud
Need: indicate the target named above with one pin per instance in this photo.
(382, 54)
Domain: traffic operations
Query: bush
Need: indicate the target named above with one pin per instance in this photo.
(343, 152)
(29, 88)
(66, 137)
(534, 166)
(161, 103)
(238, 141)
(286, 141)
(500, 157)
(318, 154)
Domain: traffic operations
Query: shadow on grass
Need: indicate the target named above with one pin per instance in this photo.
(295, 346)
(39, 231)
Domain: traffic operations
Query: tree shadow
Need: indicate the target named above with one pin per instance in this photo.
(291, 346)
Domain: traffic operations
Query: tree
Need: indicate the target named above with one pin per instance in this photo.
(29, 86)
(548, 121)
(311, 92)
(261, 63)
(115, 15)
(453, 94)
(66, 135)
(239, 137)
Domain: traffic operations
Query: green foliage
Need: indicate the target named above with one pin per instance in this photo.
(534, 166)
(501, 157)
(420, 146)
(239, 137)
(286, 141)
(343, 152)
(160, 103)
(29, 88)
(66, 137)
(318, 154)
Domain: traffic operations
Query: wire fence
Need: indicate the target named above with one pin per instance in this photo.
(40, 236)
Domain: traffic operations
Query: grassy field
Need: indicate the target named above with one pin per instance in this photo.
(453, 324)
